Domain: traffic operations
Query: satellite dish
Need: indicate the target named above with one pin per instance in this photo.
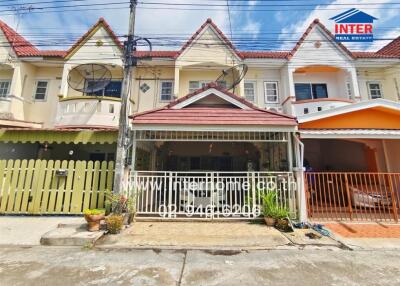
(89, 78)
(232, 77)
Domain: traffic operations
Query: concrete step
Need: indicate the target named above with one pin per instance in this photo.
(70, 235)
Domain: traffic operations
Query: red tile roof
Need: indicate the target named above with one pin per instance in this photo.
(264, 55)
(391, 49)
(20, 45)
(23, 48)
(373, 55)
(212, 115)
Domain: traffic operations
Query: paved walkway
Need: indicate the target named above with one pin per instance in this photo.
(27, 230)
(197, 235)
(363, 230)
(55, 266)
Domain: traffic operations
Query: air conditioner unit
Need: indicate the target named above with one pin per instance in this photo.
(275, 109)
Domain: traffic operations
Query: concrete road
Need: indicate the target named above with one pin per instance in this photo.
(74, 266)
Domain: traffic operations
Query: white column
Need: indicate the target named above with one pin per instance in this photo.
(176, 81)
(16, 85)
(354, 83)
(64, 81)
(290, 88)
(241, 92)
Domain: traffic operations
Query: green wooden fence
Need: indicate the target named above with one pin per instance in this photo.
(53, 187)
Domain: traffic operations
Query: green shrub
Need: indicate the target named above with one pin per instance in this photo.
(271, 206)
(114, 223)
(94, 211)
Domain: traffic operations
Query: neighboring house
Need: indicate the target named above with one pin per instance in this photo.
(186, 127)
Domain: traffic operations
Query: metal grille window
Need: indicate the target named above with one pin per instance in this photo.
(166, 90)
(250, 90)
(113, 89)
(41, 90)
(375, 90)
(4, 87)
(306, 91)
(271, 91)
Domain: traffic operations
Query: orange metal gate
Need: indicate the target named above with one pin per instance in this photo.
(353, 196)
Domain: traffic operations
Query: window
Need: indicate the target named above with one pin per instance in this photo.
(250, 90)
(306, 91)
(41, 90)
(375, 90)
(113, 89)
(197, 84)
(271, 91)
(166, 90)
(4, 87)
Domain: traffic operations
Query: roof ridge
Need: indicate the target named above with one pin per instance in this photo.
(209, 21)
(81, 40)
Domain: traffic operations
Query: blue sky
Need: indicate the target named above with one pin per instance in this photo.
(252, 29)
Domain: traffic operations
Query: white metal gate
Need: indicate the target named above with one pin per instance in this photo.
(209, 195)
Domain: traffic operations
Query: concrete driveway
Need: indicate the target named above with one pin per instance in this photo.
(74, 266)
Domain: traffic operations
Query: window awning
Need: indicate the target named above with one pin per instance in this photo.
(75, 136)
(350, 133)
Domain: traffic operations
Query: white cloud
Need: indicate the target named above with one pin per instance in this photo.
(301, 25)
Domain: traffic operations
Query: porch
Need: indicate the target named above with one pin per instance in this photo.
(211, 155)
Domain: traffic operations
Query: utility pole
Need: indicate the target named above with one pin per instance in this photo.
(129, 63)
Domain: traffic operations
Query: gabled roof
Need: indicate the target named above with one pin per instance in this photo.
(392, 49)
(353, 16)
(101, 23)
(19, 44)
(316, 22)
(209, 22)
(184, 112)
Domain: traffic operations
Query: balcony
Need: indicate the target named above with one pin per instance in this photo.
(303, 107)
(88, 111)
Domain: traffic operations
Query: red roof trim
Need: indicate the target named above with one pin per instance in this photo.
(219, 32)
(101, 22)
(316, 22)
(212, 86)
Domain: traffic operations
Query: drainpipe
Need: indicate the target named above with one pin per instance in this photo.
(299, 172)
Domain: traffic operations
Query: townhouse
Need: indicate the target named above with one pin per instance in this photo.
(319, 105)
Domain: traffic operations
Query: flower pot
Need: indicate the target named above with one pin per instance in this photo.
(269, 221)
(128, 218)
(93, 221)
(283, 224)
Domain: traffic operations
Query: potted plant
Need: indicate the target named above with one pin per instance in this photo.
(122, 210)
(282, 221)
(93, 218)
(269, 208)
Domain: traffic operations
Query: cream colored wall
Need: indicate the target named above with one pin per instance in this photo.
(152, 77)
(208, 48)
(386, 76)
(262, 75)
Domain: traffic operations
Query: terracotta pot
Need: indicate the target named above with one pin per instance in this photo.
(269, 221)
(93, 221)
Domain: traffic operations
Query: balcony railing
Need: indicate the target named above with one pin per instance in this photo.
(88, 111)
(303, 107)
